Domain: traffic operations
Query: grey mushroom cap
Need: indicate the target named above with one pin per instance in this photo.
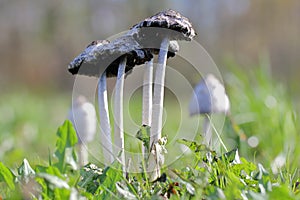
(77, 62)
(168, 19)
(151, 31)
(102, 55)
(209, 97)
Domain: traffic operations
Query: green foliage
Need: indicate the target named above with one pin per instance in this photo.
(48, 182)
(7, 176)
(108, 180)
(263, 109)
(64, 146)
(211, 177)
(260, 108)
(28, 120)
(90, 178)
(144, 135)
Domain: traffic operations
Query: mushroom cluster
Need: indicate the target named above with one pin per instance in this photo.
(156, 35)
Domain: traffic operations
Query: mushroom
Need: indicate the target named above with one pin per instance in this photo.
(75, 67)
(84, 119)
(152, 33)
(148, 80)
(209, 97)
(111, 59)
(147, 89)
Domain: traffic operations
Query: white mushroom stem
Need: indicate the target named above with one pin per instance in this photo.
(158, 98)
(207, 137)
(83, 154)
(105, 131)
(147, 94)
(211, 126)
(147, 98)
(118, 113)
(157, 110)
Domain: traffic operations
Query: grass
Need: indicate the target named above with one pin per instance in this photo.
(261, 109)
(28, 123)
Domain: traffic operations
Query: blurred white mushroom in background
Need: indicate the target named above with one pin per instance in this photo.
(278, 163)
(209, 97)
(84, 119)
(253, 141)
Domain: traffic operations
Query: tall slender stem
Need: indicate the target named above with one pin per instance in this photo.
(207, 137)
(217, 133)
(147, 94)
(147, 100)
(157, 109)
(158, 98)
(105, 130)
(118, 112)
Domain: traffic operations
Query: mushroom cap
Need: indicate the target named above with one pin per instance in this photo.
(102, 55)
(77, 62)
(84, 119)
(151, 31)
(168, 19)
(209, 97)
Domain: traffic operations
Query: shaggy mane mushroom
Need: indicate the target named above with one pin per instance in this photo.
(108, 59)
(155, 33)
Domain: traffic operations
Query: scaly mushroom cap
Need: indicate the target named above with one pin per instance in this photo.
(169, 19)
(103, 54)
(209, 97)
(150, 32)
(74, 66)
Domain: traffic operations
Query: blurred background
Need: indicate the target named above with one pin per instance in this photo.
(39, 38)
